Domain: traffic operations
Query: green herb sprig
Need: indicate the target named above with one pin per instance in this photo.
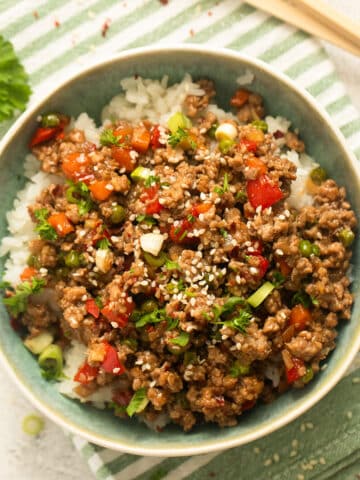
(18, 302)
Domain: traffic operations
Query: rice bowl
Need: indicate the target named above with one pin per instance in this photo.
(273, 111)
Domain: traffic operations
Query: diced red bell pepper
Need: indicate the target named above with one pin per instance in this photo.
(196, 210)
(44, 134)
(248, 405)
(256, 248)
(120, 318)
(150, 196)
(249, 145)
(111, 363)
(262, 192)
(92, 308)
(86, 374)
(155, 137)
(263, 265)
(256, 164)
(295, 372)
(179, 233)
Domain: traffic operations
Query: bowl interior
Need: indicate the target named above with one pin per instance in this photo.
(90, 92)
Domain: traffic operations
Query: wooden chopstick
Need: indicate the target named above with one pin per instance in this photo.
(308, 18)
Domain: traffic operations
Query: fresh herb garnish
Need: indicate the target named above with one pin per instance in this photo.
(228, 306)
(305, 299)
(241, 196)
(172, 323)
(278, 279)
(109, 139)
(238, 370)
(223, 232)
(156, 316)
(152, 179)
(240, 322)
(18, 302)
(179, 136)
(99, 302)
(225, 187)
(147, 219)
(118, 409)
(103, 244)
(138, 402)
(170, 265)
(79, 194)
(191, 218)
(176, 287)
(182, 339)
(14, 82)
(43, 227)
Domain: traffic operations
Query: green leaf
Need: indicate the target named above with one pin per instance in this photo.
(18, 302)
(240, 322)
(108, 138)
(278, 279)
(152, 179)
(182, 339)
(147, 219)
(180, 135)
(228, 306)
(79, 194)
(138, 402)
(103, 244)
(170, 265)
(172, 323)
(14, 82)
(43, 227)
(156, 316)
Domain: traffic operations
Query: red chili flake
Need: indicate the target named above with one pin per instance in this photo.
(278, 134)
(105, 27)
(57, 23)
(35, 14)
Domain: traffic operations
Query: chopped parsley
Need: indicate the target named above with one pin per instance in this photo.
(303, 298)
(176, 287)
(225, 187)
(180, 136)
(224, 232)
(138, 402)
(182, 339)
(99, 302)
(18, 302)
(229, 306)
(240, 322)
(191, 218)
(109, 139)
(43, 227)
(150, 180)
(147, 219)
(278, 279)
(172, 323)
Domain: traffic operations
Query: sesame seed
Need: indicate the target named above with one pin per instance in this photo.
(293, 453)
(295, 443)
(254, 270)
(109, 187)
(276, 457)
(268, 462)
(84, 298)
(43, 271)
(302, 427)
(116, 370)
(238, 279)
(322, 461)
(281, 217)
(256, 450)
(309, 425)
(114, 324)
(278, 251)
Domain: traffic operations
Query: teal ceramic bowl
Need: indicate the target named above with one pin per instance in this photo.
(88, 91)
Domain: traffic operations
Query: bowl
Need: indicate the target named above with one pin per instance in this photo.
(88, 91)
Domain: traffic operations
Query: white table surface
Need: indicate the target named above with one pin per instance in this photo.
(52, 455)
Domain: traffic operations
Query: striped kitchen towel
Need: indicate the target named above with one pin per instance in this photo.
(55, 37)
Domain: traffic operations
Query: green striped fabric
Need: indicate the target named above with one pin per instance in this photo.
(54, 36)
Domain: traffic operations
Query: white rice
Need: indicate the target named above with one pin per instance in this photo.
(246, 79)
(142, 98)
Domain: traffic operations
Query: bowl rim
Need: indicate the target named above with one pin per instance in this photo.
(215, 445)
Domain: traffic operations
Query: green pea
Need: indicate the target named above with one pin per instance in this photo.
(347, 237)
(315, 250)
(50, 120)
(225, 145)
(118, 214)
(212, 130)
(153, 261)
(149, 306)
(261, 125)
(51, 362)
(305, 248)
(131, 343)
(318, 175)
(309, 375)
(73, 259)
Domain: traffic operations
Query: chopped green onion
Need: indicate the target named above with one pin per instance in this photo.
(261, 125)
(172, 323)
(153, 261)
(347, 237)
(141, 173)
(212, 130)
(182, 339)
(228, 306)
(178, 120)
(37, 344)
(51, 362)
(309, 375)
(226, 145)
(261, 293)
(318, 175)
(138, 402)
(155, 316)
(103, 244)
(147, 219)
(170, 265)
(33, 424)
(131, 343)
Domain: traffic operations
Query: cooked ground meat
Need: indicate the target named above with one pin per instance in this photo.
(158, 241)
